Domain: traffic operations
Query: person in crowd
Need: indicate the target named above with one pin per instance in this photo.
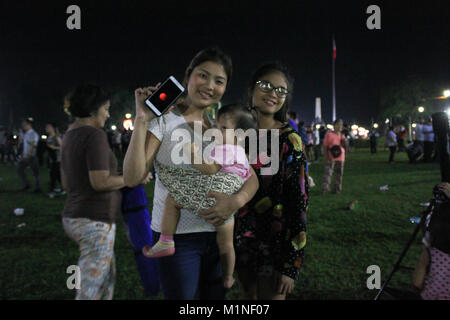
(228, 158)
(415, 152)
(316, 142)
(401, 136)
(373, 137)
(2, 145)
(391, 143)
(322, 133)
(194, 270)
(302, 132)
(117, 143)
(431, 278)
(348, 137)
(292, 120)
(428, 140)
(310, 144)
(271, 230)
(419, 132)
(11, 145)
(334, 150)
(90, 178)
(54, 157)
(29, 158)
(125, 140)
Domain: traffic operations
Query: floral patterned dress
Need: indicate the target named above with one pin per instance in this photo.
(270, 233)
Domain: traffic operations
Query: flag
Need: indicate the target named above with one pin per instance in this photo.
(334, 49)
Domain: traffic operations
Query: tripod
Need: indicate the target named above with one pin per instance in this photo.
(402, 255)
(430, 209)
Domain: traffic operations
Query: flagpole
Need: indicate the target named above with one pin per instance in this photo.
(333, 58)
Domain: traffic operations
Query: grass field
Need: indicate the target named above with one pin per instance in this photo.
(341, 243)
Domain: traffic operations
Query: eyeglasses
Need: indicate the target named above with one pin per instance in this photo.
(266, 86)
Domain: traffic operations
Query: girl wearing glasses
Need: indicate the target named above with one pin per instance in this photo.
(271, 228)
(194, 271)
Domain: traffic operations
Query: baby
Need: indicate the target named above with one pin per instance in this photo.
(228, 171)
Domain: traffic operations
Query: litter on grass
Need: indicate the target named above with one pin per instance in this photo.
(21, 225)
(384, 188)
(425, 204)
(19, 211)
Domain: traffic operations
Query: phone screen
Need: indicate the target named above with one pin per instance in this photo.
(166, 95)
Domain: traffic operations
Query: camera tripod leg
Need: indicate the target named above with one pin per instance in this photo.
(402, 255)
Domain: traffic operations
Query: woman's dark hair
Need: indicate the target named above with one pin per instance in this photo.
(85, 100)
(269, 68)
(243, 118)
(214, 54)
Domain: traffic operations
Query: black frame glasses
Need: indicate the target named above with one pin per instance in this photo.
(266, 86)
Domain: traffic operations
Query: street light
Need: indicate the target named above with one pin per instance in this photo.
(446, 93)
(128, 115)
(375, 125)
(113, 127)
(414, 125)
(421, 109)
(387, 121)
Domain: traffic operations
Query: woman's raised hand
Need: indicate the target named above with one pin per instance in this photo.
(142, 111)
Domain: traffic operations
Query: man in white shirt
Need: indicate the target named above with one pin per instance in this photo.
(29, 158)
(419, 132)
(428, 140)
(391, 142)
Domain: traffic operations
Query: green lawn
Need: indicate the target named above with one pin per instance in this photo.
(341, 243)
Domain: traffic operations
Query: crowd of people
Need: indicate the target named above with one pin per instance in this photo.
(250, 221)
(421, 147)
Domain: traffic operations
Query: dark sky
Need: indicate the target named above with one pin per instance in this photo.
(133, 43)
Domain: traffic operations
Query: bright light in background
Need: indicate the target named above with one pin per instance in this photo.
(44, 137)
(414, 125)
(375, 125)
(447, 93)
(128, 115)
(355, 132)
(421, 109)
(113, 127)
(330, 126)
(387, 121)
(448, 112)
(317, 126)
(128, 124)
(15, 137)
(355, 127)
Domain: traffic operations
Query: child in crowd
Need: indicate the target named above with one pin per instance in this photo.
(228, 171)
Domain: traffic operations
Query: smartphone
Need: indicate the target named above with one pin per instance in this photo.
(165, 96)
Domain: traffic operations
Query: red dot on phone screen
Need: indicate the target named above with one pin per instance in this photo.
(163, 96)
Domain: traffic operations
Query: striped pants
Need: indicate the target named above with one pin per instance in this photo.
(97, 261)
(330, 167)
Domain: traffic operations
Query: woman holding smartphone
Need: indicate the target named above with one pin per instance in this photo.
(194, 270)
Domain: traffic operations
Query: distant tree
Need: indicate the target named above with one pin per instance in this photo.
(400, 100)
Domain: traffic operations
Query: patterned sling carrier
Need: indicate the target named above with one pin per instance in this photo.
(189, 187)
(137, 223)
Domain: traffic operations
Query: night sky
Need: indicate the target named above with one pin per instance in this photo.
(133, 43)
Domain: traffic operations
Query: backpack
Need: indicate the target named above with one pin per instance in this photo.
(137, 224)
